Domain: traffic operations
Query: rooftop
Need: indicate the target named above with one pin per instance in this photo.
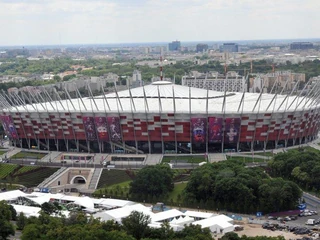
(168, 97)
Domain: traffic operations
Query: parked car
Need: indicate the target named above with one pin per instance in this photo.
(287, 219)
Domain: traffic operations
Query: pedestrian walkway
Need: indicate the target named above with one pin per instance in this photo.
(11, 152)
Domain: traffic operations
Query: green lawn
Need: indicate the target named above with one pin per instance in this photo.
(24, 169)
(189, 159)
(119, 189)
(33, 155)
(178, 189)
(2, 152)
(6, 169)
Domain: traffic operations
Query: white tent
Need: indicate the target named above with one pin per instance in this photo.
(39, 200)
(85, 202)
(112, 203)
(183, 221)
(27, 210)
(218, 224)
(11, 195)
(199, 215)
(119, 213)
(166, 215)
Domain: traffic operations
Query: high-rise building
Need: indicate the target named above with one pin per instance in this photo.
(301, 45)
(175, 46)
(201, 47)
(230, 47)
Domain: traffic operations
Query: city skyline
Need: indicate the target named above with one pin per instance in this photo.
(58, 22)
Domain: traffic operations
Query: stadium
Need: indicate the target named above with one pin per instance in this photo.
(161, 118)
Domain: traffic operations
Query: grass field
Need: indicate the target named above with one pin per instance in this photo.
(178, 190)
(35, 177)
(189, 159)
(6, 169)
(119, 189)
(2, 152)
(112, 177)
(24, 169)
(29, 176)
(33, 155)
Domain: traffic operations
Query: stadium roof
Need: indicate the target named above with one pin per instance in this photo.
(168, 97)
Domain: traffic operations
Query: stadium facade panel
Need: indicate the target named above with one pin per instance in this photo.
(163, 118)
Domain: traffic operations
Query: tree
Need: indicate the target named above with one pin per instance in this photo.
(57, 78)
(194, 232)
(230, 236)
(152, 180)
(6, 227)
(136, 224)
(21, 221)
(32, 231)
(13, 213)
(48, 208)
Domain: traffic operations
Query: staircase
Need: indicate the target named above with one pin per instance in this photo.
(95, 178)
(51, 178)
(216, 157)
(153, 159)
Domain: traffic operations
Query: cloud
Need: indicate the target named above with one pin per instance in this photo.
(107, 21)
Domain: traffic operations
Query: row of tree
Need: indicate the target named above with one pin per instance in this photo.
(301, 166)
(227, 185)
(230, 185)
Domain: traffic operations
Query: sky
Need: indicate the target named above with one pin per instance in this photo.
(47, 22)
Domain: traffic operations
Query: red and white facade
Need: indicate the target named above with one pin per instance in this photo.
(162, 118)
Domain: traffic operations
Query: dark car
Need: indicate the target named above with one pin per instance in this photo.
(265, 226)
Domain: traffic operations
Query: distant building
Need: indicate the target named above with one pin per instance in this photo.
(175, 46)
(301, 45)
(230, 47)
(201, 47)
(275, 81)
(233, 82)
(135, 80)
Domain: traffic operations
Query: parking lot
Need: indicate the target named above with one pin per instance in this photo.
(298, 221)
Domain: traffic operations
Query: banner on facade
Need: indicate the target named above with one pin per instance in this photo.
(102, 128)
(232, 128)
(8, 126)
(89, 128)
(114, 129)
(215, 130)
(198, 126)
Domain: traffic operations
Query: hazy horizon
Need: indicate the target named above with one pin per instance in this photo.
(183, 43)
